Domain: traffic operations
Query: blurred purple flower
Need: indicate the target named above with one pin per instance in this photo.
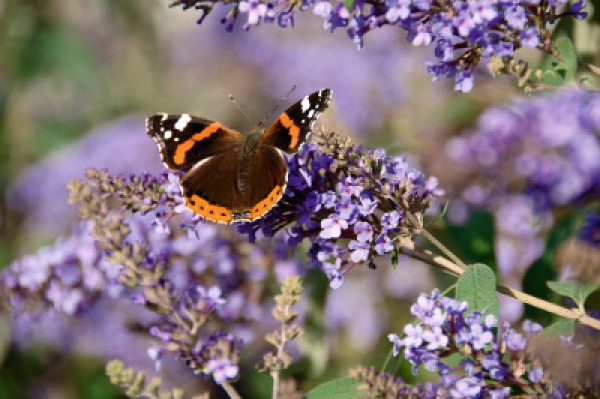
(222, 370)
(523, 161)
(40, 193)
(67, 276)
(590, 231)
(338, 66)
(556, 158)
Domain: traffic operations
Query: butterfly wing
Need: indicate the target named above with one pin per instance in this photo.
(265, 182)
(210, 188)
(184, 140)
(293, 126)
(214, 190)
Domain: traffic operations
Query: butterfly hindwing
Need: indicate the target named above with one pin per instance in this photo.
(210, 188)
(266, 182)
(293, 126)
(183, 140)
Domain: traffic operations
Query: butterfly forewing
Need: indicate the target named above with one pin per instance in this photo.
(293, 126)
(184, 140)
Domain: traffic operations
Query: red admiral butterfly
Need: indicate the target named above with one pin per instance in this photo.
(232, 177)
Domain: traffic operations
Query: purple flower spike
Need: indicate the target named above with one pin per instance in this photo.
(461, 31)
(342, 214)
(446, 328)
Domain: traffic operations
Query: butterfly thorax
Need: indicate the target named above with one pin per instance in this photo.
(247, 155)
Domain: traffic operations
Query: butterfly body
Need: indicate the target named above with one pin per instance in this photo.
(233, 177)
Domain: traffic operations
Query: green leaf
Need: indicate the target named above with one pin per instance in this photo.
(392, 363)
(394, 258)
(336, 389)
(563, 327)
(349, 4)
(552, 78)
(477, 286)
(569, 57)
(578, 292)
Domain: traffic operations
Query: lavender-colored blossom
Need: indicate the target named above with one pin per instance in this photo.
(255, 10)
(514, 340)
(535, 374)
(364, 231)
(469, 387)
(413, 335)
(516, 17)
(332, 226)
(398, 343)
(359, 251)
(155, 354)
(222, 370)
(383, 244)
(367, 206)
(435, 338)
(480, 337)
(389, 221)
(464, 81)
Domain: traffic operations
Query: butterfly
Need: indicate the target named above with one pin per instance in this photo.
(233, 177)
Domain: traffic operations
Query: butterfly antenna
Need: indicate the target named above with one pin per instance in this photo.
(237, 105)
(262, 123)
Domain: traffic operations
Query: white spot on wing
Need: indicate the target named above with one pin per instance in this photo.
(182, 122)
(164, 117)
(305, 104)
(168, 134)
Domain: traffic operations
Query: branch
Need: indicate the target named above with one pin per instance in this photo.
(447, 266)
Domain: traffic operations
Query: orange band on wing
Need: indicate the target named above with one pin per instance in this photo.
(263, 206)
(208, 211)
(293, 130)
(184, 147)
(221, 214)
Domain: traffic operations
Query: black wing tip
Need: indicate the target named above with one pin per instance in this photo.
(153, 123)
(325, 92)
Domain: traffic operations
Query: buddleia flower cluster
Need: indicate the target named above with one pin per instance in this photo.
(67, 276)
(492, 364)
(350, 203)
(198, 279)
(463, 32)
